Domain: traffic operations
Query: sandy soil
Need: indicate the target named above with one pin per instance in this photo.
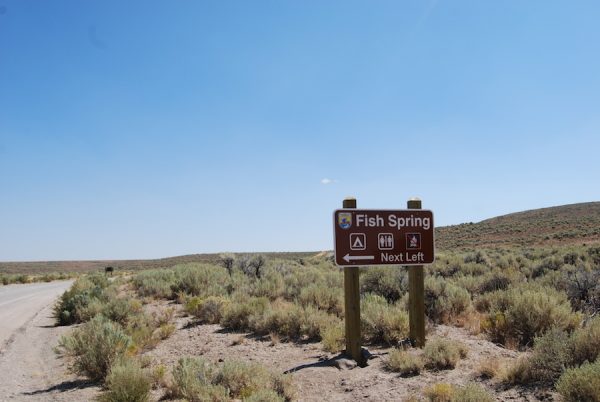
(318, 380)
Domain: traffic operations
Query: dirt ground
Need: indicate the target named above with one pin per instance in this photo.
(318, 380)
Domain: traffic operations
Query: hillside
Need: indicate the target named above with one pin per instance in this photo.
(40, 267)
(562, 225)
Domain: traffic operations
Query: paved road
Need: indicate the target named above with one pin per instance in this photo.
(20, 303)
(30, 371)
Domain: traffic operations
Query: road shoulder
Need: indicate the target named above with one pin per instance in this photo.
(31, 370)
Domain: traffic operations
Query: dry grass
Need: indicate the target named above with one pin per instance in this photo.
(405, 363)
(442, 354)
(440, 392)
(489, 368)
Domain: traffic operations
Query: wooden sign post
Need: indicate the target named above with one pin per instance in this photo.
(416, 294)
(352, 304)
(366, 237)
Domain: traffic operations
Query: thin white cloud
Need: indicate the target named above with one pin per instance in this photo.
(327, 181)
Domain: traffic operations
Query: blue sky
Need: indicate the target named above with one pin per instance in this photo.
(147, 129)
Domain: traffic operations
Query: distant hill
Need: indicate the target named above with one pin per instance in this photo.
(563, 225)
(39, 267)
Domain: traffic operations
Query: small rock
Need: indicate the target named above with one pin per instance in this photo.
(344, 364)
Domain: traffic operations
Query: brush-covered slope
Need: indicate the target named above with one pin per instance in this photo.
(563, 225)
(40, 267)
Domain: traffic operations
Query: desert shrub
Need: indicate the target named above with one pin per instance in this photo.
(95, 346)
(585, 343)
(445, 266)
(192, 304)
(472, 393)
(582, 285)
(119, 310)
(256, 265)
(495, 281)
(238, 314)
(197, 380)
(553, 353)
(72, 305)
(489, 368)
(209, 310)
(581, 383)
(594, 254)
(227, 261)
(405, 363)
(6, 279)
(473, 269)
(163, 316)
(158, 375)
(571, 258)
(200, 280)
(391, 284)
(193, 380)
(282, 318)
(22, 278)
(284, 385)
(155, 283)
(140, 328)
(291, 321)
(549, 358)
(441, 354)
(553, 263)
(270, 285)
(332, 337)
(444, 300)
(382, 322)
(520, 314)
(469, 282)
(12, 278)
(440, 392)
(127, 382)
(90, 308)
(313, 322)
(165, 331)
(323, 297)
(517, 372)
(98, 279)
(478, 257)
(241, 284)
(264, 395)
(301, 279)
(244, 379)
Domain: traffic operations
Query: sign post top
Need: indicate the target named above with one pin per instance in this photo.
(383, 237)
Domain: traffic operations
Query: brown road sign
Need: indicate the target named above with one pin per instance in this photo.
(382, 237)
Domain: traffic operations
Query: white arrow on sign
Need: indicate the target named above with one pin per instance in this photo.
(349, 257)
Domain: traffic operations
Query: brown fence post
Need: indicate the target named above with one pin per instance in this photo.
(352, 304)
(416, 294)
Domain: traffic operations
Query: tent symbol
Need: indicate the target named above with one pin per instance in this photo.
(358, 241)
